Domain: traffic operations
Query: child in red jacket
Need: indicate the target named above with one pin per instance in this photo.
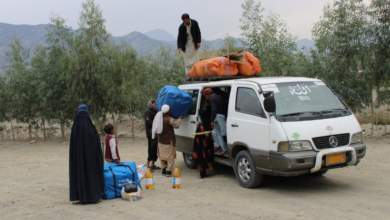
(112, 154)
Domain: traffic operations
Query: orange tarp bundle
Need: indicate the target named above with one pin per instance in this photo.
(252, 68)
(217, 66)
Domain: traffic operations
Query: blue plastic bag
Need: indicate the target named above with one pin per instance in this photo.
(117, 175)
(177, 99)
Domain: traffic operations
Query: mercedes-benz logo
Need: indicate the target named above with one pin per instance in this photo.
(329, 128)
(333, 141)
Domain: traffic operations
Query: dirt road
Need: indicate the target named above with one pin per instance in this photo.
(34, 185)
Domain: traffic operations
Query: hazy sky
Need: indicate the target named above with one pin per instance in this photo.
(216, 17)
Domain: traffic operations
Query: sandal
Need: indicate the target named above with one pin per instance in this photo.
(154, 167)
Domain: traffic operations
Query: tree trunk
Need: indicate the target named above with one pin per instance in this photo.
(29, 130)
(372, 117)
(63, 129)
(377, 118)
(1, 133)
(387, 114)
(115, 124)
(132, 122)
(36, 132)
(12, 129)
(44, 128)
(17, 125)
(62, 123)
(377, 112)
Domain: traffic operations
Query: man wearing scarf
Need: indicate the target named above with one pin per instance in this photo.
(167, 139)
(86, 180)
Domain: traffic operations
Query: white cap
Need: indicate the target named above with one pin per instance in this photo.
(165, 109)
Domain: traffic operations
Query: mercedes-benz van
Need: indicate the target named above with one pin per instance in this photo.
(281, 126)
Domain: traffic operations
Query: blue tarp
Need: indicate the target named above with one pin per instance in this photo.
(116, 175)
(177, 99)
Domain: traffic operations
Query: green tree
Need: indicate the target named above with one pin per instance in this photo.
(207, 50)
(6, 110)
(58, 97)
(118, 70)
(268, 39)
(38, 69)
(380, 17)
(228, 40)
(23, 85)
(90, 45)
(342, 38)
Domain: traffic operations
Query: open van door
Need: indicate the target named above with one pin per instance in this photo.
(184, 140)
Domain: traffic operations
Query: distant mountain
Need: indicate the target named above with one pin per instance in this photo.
(29, 35)
(308, 44)
(32, 35)
(143, 44)
(161, 35)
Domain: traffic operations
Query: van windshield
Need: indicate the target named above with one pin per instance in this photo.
(297, 101)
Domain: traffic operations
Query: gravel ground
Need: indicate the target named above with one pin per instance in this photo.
(34, 184)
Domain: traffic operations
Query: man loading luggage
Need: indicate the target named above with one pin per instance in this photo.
(219, 109)
(166, 139)
(188, 41)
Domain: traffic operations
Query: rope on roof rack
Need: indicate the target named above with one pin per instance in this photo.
(220, 78)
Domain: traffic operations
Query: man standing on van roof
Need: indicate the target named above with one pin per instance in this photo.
(167, 140)
(188, 41)
(219, 109)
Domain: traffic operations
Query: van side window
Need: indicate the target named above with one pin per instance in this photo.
(194, 100)
(247, 102)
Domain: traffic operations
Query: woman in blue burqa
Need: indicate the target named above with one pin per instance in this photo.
(85, 160)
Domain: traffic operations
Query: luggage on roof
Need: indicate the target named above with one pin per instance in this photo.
(237, 63)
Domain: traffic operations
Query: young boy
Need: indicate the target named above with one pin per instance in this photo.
(112, 154)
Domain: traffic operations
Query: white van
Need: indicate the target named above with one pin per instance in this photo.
(281, 126)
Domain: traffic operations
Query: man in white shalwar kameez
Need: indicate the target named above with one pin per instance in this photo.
(188, 41)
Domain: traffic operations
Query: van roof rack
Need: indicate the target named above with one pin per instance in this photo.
(220, 78)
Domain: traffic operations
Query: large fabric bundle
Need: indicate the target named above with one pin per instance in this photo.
(178, 100)
(117, 175)
(217, 66)
(252, 68)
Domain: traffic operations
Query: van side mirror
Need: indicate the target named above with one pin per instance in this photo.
(269, 102)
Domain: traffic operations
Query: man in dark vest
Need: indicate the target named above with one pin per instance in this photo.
(167, 141)
(188, 41)
(152, 143)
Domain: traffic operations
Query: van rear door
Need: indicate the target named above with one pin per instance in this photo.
(184, 140)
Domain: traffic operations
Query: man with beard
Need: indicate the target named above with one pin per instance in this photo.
(188, 41)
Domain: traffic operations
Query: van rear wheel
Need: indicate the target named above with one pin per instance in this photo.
(246, 173)
(189, 161)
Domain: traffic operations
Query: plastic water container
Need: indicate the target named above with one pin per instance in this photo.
(176, 179)
(149, 181)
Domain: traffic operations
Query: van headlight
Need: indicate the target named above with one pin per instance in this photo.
(357, 138)
(292, 146)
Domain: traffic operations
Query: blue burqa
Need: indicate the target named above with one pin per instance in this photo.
(86, 180)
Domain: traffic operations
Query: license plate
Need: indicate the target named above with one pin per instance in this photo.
(335, 159)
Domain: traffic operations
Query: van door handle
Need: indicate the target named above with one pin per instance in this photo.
(235, 125)
(193, 122)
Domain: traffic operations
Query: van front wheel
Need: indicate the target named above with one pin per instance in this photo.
(189, 161)
(246, 173)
